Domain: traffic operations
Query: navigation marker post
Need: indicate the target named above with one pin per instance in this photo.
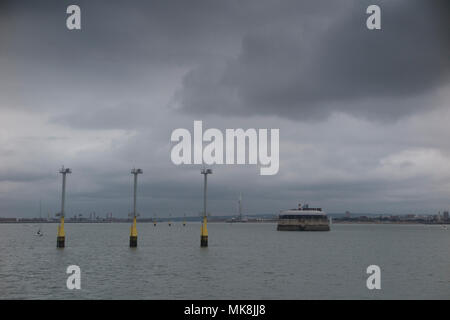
(61, 237)
(133, 231)
(204, 230)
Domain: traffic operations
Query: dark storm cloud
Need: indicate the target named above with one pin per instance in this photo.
(294, 58)
(131, 32)
(124, 116)
(294, 71)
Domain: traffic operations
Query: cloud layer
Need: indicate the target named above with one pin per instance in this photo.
(288, 70)
(363, 115)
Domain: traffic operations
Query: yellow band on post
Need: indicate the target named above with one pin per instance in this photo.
(133, 231)
(61, 232)
(204, 229)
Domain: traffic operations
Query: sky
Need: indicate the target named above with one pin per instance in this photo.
(363, 115)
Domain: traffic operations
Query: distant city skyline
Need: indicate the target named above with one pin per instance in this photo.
(363, 114)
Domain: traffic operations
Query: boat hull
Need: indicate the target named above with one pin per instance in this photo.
(303, 228)
(303, 225)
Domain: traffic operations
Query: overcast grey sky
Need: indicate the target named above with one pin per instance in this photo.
(364, 116)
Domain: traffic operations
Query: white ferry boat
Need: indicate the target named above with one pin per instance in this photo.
(303, 219)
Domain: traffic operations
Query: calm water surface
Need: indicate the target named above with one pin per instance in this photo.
(243, 261)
